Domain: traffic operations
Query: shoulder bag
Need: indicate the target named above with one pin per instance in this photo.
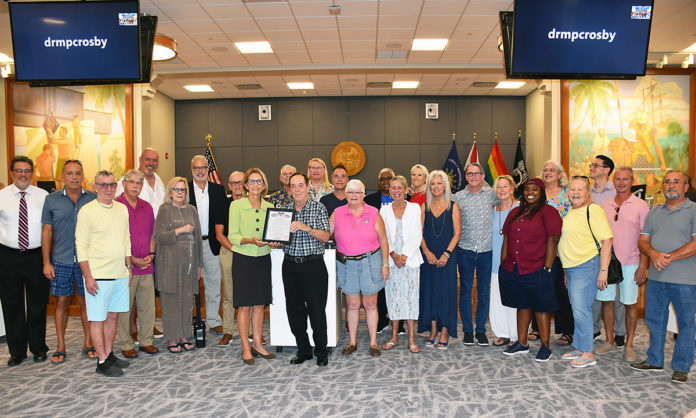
(614, 274)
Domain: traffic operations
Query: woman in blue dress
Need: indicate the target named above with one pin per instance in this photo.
(438, 284)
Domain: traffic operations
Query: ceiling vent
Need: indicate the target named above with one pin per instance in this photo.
(392, 54)
(379, 85)
(248, 86)
(486, 84)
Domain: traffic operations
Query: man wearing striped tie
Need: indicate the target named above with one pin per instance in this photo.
(21, 277)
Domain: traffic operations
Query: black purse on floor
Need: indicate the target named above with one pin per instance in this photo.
(615, 273)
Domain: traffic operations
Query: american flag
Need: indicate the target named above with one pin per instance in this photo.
(213, 174)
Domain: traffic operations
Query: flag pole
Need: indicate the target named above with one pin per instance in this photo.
(210, 138)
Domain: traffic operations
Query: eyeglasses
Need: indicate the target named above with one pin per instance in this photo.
(200, 168)
(473, 174)
(73, 162)
(22, 171)
(255, 181)
(107, 185)
(594, 165)
(676, 182)
(236, 183)
(178, 190)
(617, 209)
(139, 183)
(581, 177)
(385, 178)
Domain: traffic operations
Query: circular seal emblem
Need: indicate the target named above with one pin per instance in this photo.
(350, 154)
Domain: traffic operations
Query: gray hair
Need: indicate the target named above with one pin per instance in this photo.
(355, 184)
(100, 173)
(563, 180)
(384, 170)
(134, 172)
(625, 167)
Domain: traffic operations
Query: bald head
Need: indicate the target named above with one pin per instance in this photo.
(149, 161)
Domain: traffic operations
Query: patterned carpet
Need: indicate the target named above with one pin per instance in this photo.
(459, 382)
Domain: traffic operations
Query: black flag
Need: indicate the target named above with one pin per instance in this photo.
(519, 171)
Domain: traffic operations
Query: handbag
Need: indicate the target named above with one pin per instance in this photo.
(614, 273)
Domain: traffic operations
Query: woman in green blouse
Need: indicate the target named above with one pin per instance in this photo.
(251, 269)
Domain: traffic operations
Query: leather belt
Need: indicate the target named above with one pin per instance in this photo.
(300, 260)
(17, 250)
(361, 256)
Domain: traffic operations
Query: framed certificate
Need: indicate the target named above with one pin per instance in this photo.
(277, 225)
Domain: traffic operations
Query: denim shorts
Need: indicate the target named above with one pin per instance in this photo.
(361, 276)
(67, 276)
(628, 288)
(112, 296)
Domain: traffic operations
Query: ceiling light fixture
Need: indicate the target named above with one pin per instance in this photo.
(405, 84)
(199, 88)
(304, 85)
(165, 48)
(254, 47)
(429, 44)
(510, 84)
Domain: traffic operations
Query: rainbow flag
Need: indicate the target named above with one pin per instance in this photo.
(496, 165)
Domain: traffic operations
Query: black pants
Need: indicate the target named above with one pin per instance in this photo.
(564, 316)
(306, 288)
(382, 311)
(21, 278)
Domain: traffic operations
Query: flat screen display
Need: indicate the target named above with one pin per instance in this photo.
(580, 38)
(86, 42)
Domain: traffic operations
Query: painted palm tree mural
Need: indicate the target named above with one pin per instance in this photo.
(641, 123)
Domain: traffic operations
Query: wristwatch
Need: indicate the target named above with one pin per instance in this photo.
(547, 269)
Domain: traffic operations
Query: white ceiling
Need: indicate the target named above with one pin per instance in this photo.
(339, 53)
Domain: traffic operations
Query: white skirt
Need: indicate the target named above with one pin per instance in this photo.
(502, 318)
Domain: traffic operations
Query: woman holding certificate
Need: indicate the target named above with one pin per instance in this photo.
(251, 270)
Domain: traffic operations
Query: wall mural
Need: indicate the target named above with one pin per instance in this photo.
(642, 123)
(53, 124)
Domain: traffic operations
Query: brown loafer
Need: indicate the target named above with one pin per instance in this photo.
(157, 333)
(149, 349)
(226, 339)
(349, 349)
(130, 353)
(375, 351)
(216, 330)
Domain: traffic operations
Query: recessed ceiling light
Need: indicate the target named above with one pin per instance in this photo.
(510, 84)
(405, 84)
(199, 88)
(429, 44)
(305, 85)
(254, 47)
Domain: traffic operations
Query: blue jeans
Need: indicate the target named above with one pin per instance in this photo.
(467, 262)
(582, 288)
(658, 295)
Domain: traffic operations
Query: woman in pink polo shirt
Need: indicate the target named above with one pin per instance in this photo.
(363, 261)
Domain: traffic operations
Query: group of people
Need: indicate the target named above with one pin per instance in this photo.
(400, 253)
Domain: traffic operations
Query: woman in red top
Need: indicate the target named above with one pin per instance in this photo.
(531, 233)
(419, 174)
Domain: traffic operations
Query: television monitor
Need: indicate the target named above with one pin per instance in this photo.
(67, 43)
(148, 30)
(506, 19)
(580, 39)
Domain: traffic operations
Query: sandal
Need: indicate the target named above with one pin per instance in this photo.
(571, 355)
(501, 341)
(580, 362)
(375, 351)
(414, 349)
(564, 339)
(443, 346)
(172, 348)
(430, 343)
(533, 336)
(58, 357)
(89, 352)
(187, 345)
(389, 345)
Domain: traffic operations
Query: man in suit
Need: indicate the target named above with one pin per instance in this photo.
(207, 197)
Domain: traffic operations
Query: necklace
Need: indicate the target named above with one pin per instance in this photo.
(442, 225)
(500, 211)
